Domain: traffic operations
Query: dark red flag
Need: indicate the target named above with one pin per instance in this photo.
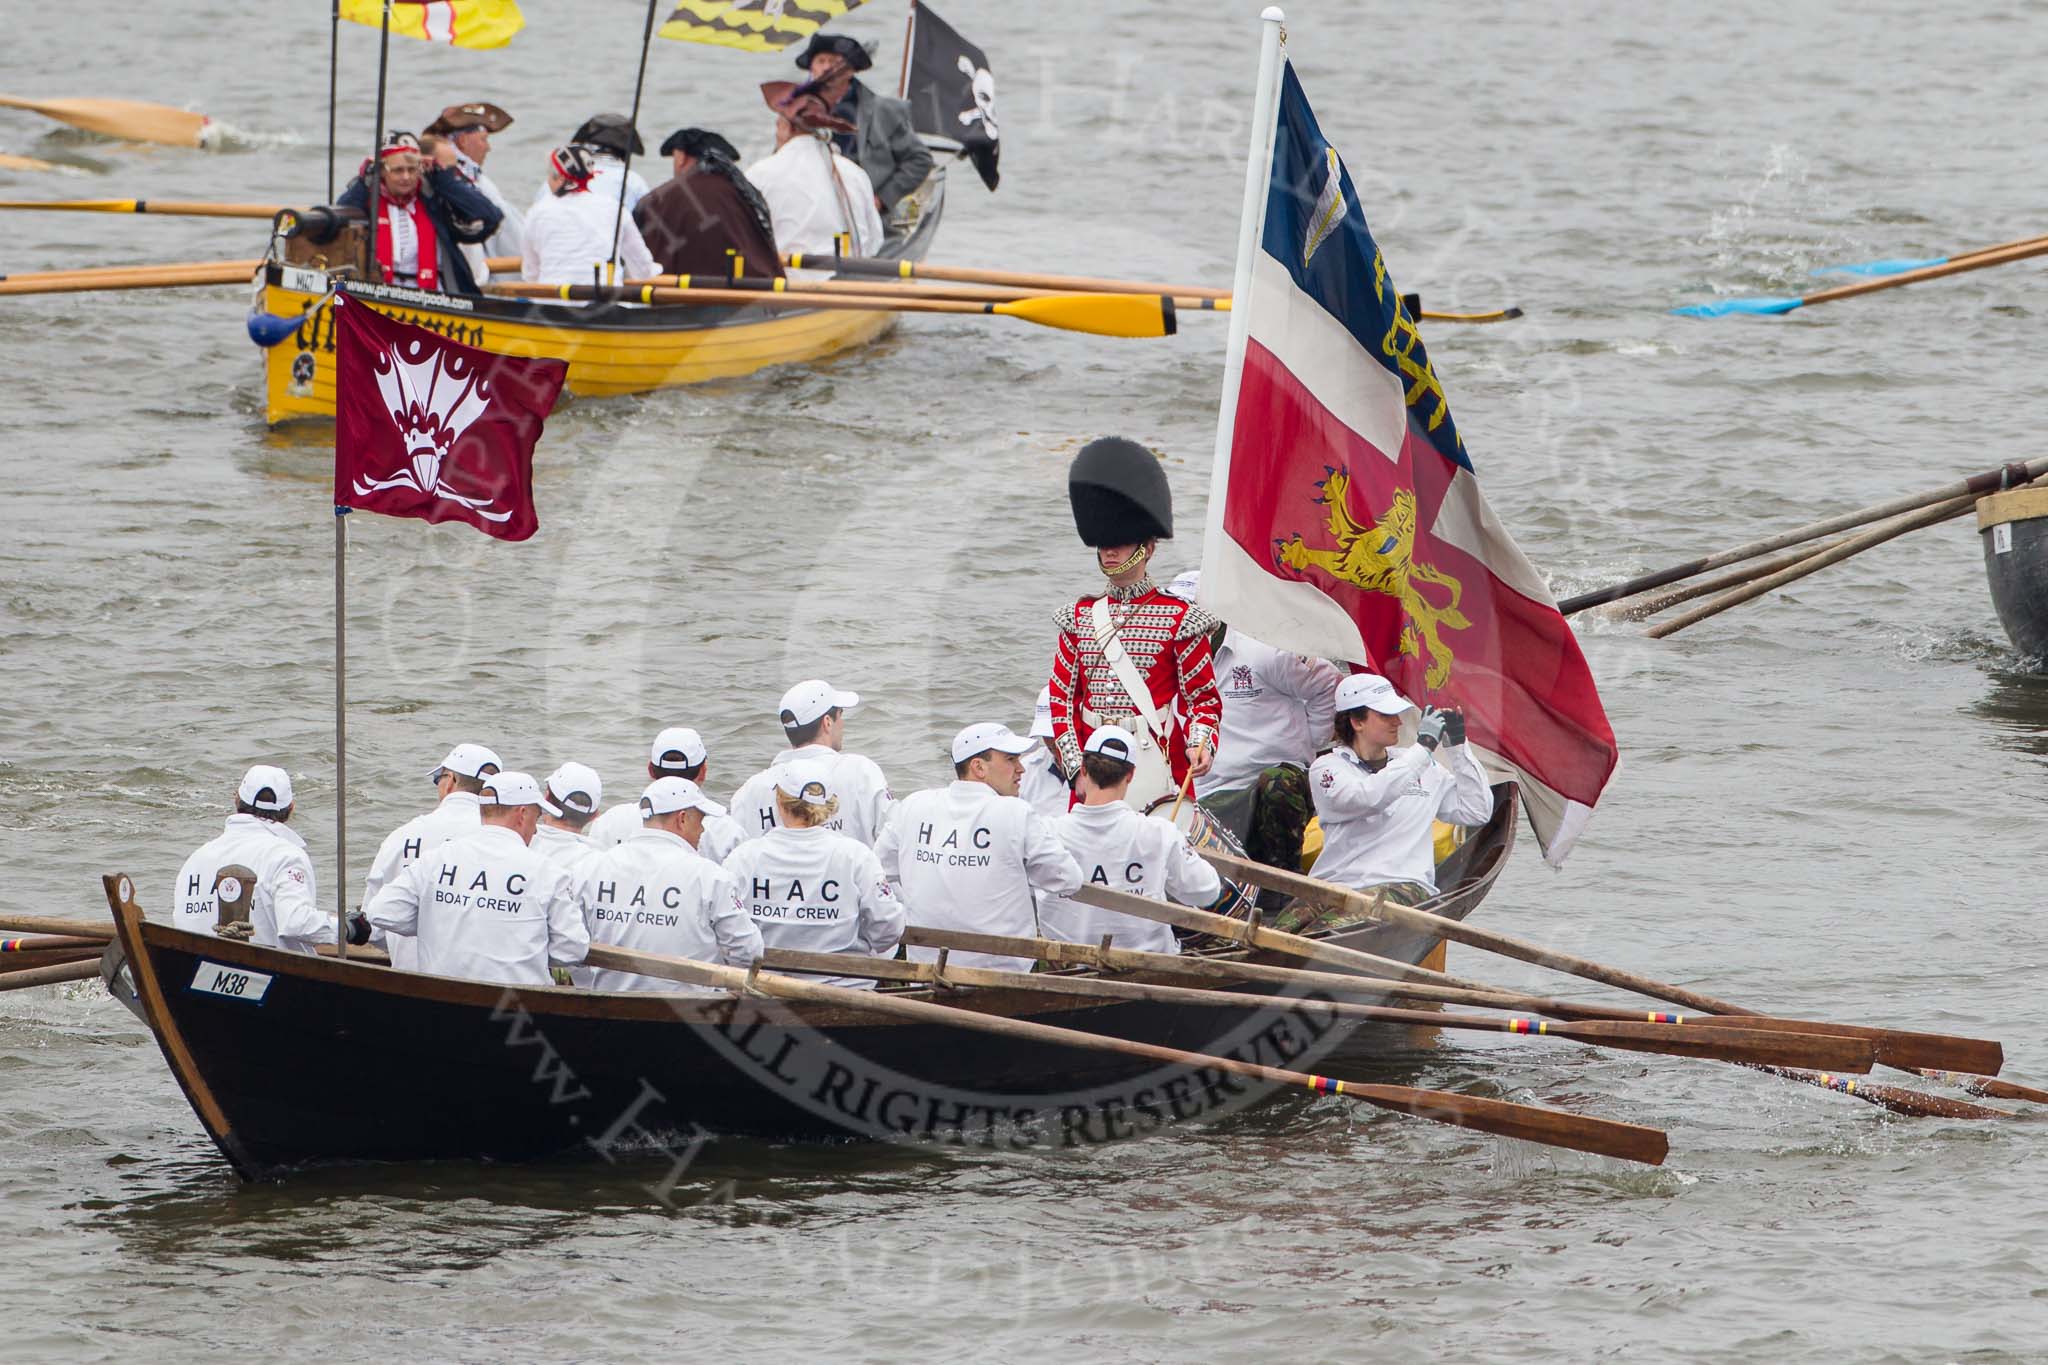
(427, 427)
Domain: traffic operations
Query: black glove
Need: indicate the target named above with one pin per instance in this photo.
(1430, 733)
(358, 929)
(1454, 729)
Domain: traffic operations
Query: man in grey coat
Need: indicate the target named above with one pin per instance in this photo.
(883, 143)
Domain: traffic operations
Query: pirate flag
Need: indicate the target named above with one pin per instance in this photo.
(951, 93)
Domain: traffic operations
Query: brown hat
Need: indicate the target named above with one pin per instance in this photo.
(803, 106)
(477, 114)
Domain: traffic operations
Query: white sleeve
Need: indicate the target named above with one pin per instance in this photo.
(633, 253)
(293, 910)
(1343, 792)
(739, 938)
(568, 933)
(396, 908)
(889, 848)
(880, 805)
(1189, 880)
(882, 915)
(529, 247)
(1315, 682)
(1468, 799)
(384, 866)
(1047, 864)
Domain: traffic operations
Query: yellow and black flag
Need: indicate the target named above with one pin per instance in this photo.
(752, 25)
(459, 23)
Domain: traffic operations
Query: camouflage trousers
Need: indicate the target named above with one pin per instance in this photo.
(1269, 818)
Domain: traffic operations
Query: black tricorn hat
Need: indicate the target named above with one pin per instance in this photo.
(1120, 494)
(851, 49)
(612, 133)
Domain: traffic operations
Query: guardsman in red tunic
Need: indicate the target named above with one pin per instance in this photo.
(1132, 655)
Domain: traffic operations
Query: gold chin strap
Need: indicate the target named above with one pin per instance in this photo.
(1138, 557)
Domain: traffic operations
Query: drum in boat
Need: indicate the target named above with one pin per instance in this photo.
(1204, 831)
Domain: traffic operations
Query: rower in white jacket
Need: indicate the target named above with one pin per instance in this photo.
(1121, 850)
(811, 889)
(570, 231)
(1043, 785)
(282, 911)
(458, 778)
(656, 893)
(1379, 805)
(487, 906)
(568, 801)
(973, 855)
(813, 716)
(678, 751)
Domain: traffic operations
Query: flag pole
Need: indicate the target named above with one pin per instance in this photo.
(909, 36)
(333, 76)
(375, 175)
(632, 131)
(1251, 225)
(340, 728)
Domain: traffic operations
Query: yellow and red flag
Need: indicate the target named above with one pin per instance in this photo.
(752, 25)
(459, 23)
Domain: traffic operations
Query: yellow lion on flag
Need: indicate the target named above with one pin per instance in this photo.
(1381, 558)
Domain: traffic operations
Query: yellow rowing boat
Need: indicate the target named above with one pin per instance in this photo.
(612, 349)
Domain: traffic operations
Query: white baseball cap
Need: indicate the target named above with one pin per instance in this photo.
(805, 780)
(466, 760)
(266, 788)
(1186, 584)
(1041, 715)
(667, 795)
(1112, 741)
(1370, 689)
(678, 739)
(979, 739)
(510, 789)
(811, 699)
(574, 787)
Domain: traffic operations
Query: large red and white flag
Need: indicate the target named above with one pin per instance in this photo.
(1345, 518)
(427, 427)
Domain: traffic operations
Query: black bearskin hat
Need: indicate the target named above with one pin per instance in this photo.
(1120, 494)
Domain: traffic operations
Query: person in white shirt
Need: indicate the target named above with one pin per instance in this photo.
(487, 906)
(282, 911)
(813, 716)
(1122, 850)
(1278, 711)
(569, 233)
(613, 142)
(1379, 804)
(568, 802)
(974, 856)
(658, 893)
(678, 751)
(810, 889)
(458, 778)
(1043, 785)
(814, 194)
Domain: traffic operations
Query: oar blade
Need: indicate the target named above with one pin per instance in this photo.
(1818, 1051)
(1721, 308)
(1109, 315)
(128, 120)
(1901, 1048)
(1898, 265)
(1530, 1123)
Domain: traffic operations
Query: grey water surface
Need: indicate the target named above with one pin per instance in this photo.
(1830, 801)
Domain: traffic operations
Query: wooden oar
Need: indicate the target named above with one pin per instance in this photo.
(1853, 545)
(129, 120)
(1605, 1137)
(70, 928)
(1987, 1086)
(1895, 1098)
(1780, 1049)
(49, 976)
(1897, 266)
(1645, 605)
(186, 208)
(1723, 307)
(44, 957)
(972, 293)
(1896, 1047)
(1118, 315)
(1990, 481)
(130, 277)
(9, 162)
(48, 943)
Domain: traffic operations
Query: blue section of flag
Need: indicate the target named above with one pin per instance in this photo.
(1324, 243)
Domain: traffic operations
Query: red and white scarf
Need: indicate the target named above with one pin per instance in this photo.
(428, 275)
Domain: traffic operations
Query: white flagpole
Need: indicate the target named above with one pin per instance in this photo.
(341, 730)
(1251, 225)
